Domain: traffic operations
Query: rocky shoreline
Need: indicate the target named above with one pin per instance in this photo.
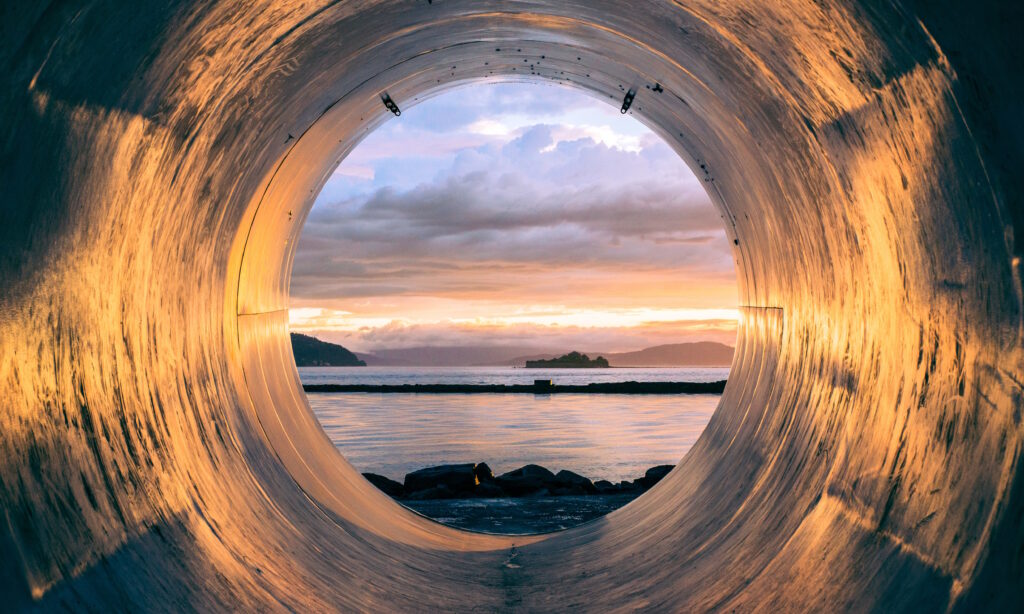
(476, 480)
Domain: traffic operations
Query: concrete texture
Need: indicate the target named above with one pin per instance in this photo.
(157, 163)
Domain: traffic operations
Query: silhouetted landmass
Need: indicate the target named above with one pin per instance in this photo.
(312, 352)
(446, 356)
(700, 354)
(519, 361)
(697, 354)
(594, 388)
(572, 360)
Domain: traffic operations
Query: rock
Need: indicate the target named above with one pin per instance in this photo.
(654, 475)
(571, 480)
(489, 490)
(483, 473)
(518, 486)
(436, 492)
(458, 478)
(477, 480)
(526, 480)
(387, 485)
(531, 471)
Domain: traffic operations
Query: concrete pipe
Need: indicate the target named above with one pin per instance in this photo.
(157, 165)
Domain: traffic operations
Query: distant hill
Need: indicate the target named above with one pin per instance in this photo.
(700, 354)
(519, 361)
(442, 356)
(572, 360)
(312, 352)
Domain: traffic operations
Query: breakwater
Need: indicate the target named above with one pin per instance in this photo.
(593, 388)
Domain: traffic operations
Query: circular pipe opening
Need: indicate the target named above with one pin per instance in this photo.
(504, 220)
(314, 154)
(866, 451)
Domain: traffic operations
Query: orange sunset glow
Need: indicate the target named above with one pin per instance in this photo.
(514, 214)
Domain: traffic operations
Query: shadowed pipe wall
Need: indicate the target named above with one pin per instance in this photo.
(157, 166)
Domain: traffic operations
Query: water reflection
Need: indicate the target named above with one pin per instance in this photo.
(612, 437)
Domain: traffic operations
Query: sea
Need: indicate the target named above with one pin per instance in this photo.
(601, 436)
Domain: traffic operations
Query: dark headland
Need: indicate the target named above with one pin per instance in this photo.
(312, 352)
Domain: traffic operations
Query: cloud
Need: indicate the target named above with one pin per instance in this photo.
(579, 203)
(511, 104)
(520, 196)
(397, 334)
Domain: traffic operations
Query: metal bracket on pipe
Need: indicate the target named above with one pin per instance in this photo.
(390, 104)
(628, 100)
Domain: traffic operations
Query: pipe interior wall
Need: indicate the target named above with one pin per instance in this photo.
(156, 449)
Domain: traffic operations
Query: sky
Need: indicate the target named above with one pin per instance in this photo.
(519, 215)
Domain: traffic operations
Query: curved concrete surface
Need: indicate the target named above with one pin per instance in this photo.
(157, 165)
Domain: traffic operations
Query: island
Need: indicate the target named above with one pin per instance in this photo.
(312, 352)
(572, 360)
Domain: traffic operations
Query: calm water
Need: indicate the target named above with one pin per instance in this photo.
(502, 375)
(613, 437)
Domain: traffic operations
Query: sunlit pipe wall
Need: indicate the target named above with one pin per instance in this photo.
(157, 165)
